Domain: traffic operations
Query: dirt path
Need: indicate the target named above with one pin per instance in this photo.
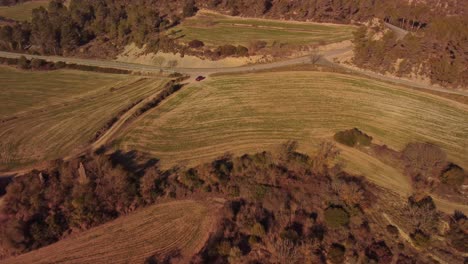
(327, 59)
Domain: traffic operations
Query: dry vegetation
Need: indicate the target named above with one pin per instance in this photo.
(65, 110)
(179, 227)
(228, 113)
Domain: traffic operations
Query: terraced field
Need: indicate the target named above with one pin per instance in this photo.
(63, 111)
(21, 12)
(258, 111)
(180, 227)
(215, 29)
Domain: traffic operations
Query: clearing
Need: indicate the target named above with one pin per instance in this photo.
(23, 11)
(215, 29)
(180, 227)
(244, 113)
(63, 110)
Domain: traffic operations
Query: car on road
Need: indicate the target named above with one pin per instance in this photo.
(200, 78)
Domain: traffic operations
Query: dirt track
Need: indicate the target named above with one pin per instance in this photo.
(327, 59)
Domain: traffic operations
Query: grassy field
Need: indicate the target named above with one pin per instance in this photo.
(64, 110)
(215, 29)
(21, 12)
(26, 91)
(258, 111)
(181, 226)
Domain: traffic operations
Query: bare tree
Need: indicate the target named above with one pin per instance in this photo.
(172, 64)
(159, 61)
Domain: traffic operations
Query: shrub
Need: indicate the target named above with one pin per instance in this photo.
(37, 63)
(227, 50)
(224, 248)
(393, 230)
(420, 239)
(191, 179)
(336, 217)
(195, 44)
(242, 51)
(379, 252)
(23, 63)
(453, 175)
(336, 254)
(258, 230)
(353, 137)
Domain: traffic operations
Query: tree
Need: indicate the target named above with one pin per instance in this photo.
(189, 8)
(172, 64)
(159, 61)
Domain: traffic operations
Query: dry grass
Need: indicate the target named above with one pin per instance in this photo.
(31, 90)
(254, 112)
(22, 12)
(215, 29)
(174, 227)
(64, 110)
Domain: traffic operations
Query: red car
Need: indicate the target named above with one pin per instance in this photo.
(200, 78)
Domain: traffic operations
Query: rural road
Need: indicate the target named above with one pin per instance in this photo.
(327, 59)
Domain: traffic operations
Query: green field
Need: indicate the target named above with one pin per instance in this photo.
(21, 12)
(214, 30)
(61, 111)
(258, 111)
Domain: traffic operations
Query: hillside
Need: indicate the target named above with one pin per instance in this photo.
(175, 228)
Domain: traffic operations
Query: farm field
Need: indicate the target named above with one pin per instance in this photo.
(258, 111)
(70, 117)
(25, 91)
(174, 227)
(216, 29)
(23, 11)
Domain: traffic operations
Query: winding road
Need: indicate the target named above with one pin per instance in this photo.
(326, 59)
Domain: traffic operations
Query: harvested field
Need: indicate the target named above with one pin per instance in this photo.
(23, 11)
(24, 91)
(180, 227)
(216, 29)
(259, 111)
(71, 114)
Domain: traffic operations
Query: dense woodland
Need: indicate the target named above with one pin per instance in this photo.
(281, 208)
(439, 51)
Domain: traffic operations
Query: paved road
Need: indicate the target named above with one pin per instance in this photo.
(327, 59)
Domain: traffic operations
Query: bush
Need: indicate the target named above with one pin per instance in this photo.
(191, 180)
(38, 63)
(23, 63)
(258, 230)
(227, 50)
(420, 239)
(453, 175)
(242, 51)
(393, 230)
(195, 44)
(353, 137)
(336, 254)
(336, 217)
